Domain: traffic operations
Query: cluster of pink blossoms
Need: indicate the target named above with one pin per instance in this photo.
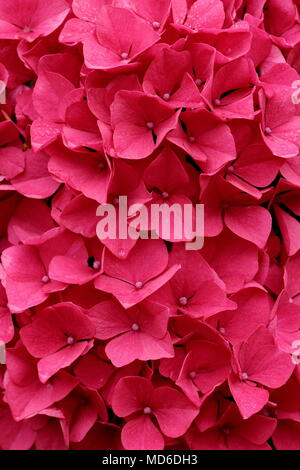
(141, 344)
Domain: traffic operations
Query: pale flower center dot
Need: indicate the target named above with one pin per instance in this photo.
(26, 29)
(230, 168)
(222, 331)
(139, 285)
(192, 138)
(166, 96)
(291, 300)
(150, 125)
(198, 81)
(135, 327)
(124, 55)
(147, 410)
(70, 340)
(244, 375)
(156, 24)
(192, 374)
(45, 279)
(268, 131)
(165, 195)
(183, 300)
(96, 264)
(217, 102)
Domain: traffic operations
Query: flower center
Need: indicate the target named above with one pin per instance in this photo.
(70, 340)
(138, 284)
(150, 125)
(192, 374)
(135, 327)
(45, 279)
(217, 102)
(166, 96)
(226, 431)
(96, 264)
(124, 55)
(156, 24)
(183, 300)
(192, 138)
(244, 376)
(268, 131)
(147, 410)
(222, 331)
(198, 81)
(164, 195)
